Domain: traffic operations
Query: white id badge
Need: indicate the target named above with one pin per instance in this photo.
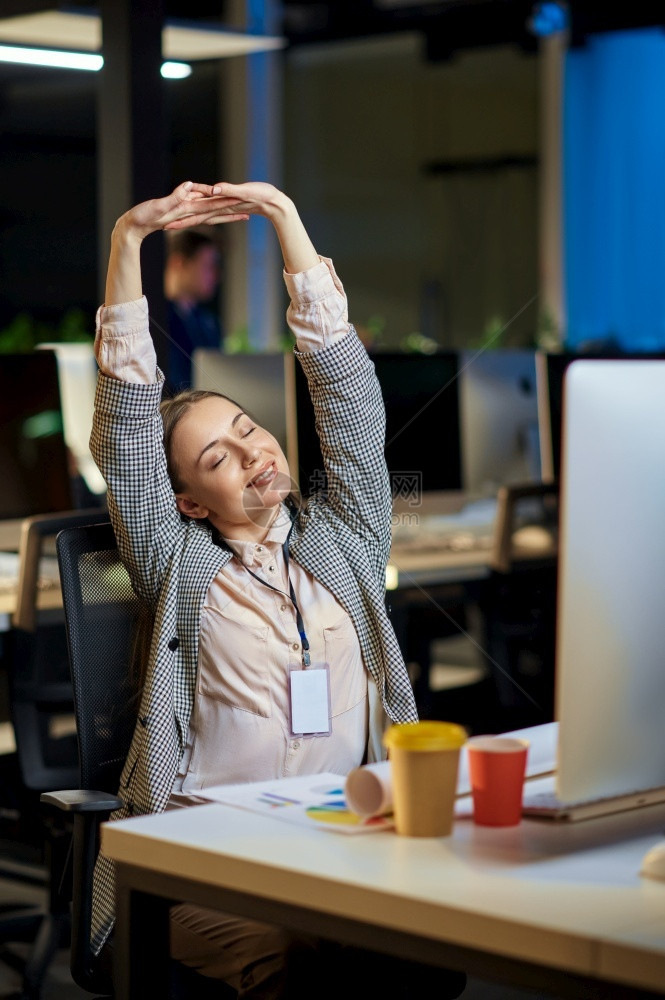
(309, 701)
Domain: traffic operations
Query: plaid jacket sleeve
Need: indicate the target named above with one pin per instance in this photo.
(126, 443)
(351, 421)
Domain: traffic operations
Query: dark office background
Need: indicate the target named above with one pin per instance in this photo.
(48, 209)
(411, 144)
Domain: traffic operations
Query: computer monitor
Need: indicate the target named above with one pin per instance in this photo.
(77, 377)
(421, 397)
(550, 376)
(499, 419)
(610, 657)
(34, 469)
(255, 381)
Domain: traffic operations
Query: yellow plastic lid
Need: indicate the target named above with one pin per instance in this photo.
(425, 736)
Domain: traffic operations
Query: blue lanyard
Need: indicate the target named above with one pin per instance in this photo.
(292, 594)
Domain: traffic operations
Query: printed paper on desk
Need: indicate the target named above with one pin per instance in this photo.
(309, 800)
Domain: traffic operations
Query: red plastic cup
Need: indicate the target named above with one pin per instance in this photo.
(497, 765)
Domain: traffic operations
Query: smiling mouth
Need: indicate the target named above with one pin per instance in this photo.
(265, 477)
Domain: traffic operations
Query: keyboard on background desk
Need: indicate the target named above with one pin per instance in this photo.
(471, 529)
(49, 576)
(8, 572)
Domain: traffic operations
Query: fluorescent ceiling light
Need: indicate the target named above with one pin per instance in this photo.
(181, 40)
(77, 60)
(175, 70)
(50, 57)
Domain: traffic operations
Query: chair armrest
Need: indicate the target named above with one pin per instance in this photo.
(88, 809)
(79, 800)
(507, 500)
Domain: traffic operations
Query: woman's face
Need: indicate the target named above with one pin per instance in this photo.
(232, 470)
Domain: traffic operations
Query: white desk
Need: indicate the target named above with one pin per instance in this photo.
(536, 904)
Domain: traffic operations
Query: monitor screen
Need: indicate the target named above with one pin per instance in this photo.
(610, 629)
(77, 377)
(551, 372)
(499, 419)
(421, 397)
(33, 456)
(255, 381)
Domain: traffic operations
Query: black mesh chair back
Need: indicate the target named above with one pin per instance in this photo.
(40, 689)
(102, 614)
(106, 628)
(41, 708)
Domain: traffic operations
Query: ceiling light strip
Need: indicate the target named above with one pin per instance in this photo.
(61, 59)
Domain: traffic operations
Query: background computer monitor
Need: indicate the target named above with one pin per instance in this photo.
(550, 373)
(77, 377)
(610, 676)
(256, 382)
(421, 396)
(34, 469)
(499, 419)
(454, 421)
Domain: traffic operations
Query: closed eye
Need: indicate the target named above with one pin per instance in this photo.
(218, 462)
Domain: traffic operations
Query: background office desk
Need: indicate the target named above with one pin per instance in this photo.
(47, 600)
(537, 904)
(42, 582)
(466, 572)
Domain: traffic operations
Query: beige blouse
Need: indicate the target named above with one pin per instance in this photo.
(239, 729)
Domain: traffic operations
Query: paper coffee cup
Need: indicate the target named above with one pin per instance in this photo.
(423, 762)
(497, 765)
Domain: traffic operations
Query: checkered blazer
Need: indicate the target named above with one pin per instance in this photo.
(342, 537)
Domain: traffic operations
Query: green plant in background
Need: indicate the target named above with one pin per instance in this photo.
(24, 332)
(376, 325)
(494, 332)
(548, 334)
(418, 343)
(238, 342)
(74, 328)
(19, 336)
(371, 332)
(492, 335)
(287, 342)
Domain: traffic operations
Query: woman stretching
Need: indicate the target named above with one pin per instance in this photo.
(258, 602)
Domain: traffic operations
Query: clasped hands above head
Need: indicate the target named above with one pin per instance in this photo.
(192, 204)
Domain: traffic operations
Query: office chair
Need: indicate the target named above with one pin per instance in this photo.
(105, 622)
(41, 706)
(519, 604)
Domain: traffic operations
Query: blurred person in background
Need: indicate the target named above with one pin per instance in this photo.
(191, 281)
